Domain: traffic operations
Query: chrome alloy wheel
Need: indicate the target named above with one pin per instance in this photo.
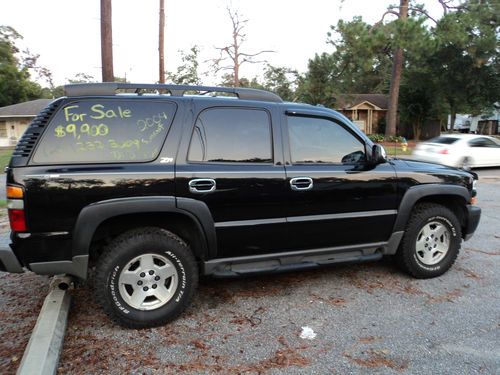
(433, 243)
(148, 282)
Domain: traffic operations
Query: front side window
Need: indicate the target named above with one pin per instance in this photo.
(231, 135)
(105, 131)
(317, 140)
(482, 142)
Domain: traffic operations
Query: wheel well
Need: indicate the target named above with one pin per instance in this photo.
(455, 203)
(182, 225)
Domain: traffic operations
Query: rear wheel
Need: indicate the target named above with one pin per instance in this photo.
(431, 242)
(146, 278)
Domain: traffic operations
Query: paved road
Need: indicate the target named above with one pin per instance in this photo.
(367, 318)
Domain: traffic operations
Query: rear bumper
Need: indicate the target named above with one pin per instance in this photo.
(8, 260)
(473, 216)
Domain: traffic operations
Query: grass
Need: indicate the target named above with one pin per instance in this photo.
(397, 150)
(5, 155)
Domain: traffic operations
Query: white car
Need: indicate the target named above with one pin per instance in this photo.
(460, 150)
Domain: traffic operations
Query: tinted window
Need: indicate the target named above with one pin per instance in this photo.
(105, 131)
(443, 140)
(231, 135)
(482, 142)
(314, 140)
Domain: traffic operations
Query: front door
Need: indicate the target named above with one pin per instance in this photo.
(336, 198)
(234, 164)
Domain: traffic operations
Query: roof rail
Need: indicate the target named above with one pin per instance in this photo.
(110, 88)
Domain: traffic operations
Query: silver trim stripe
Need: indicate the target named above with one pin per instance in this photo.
(242, 223)
(97, 174)
(297, 219)
(346, 215)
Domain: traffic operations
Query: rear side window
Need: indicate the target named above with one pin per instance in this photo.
(105, 131)
(235, 135)
(443, 140)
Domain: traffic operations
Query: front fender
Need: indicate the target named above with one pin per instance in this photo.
(415, 193)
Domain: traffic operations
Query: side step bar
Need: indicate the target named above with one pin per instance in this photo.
(291, 261)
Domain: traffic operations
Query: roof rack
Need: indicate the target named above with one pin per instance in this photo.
(110, 88)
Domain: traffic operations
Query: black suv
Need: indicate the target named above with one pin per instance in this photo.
(153, 187)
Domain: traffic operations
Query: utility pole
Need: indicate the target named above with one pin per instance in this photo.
(161, 47)
(106, 42)
(397, 68)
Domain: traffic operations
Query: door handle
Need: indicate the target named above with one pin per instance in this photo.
(301, 183)
(202, 185)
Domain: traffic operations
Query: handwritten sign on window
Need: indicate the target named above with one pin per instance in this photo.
(106, 131)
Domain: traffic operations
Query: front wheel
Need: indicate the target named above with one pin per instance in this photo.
(146, 278)
(431, 241)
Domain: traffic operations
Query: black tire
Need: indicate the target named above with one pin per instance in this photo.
(429, 215)
(160, 246)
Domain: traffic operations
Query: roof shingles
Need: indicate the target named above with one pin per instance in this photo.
(347, 101)
(28, 109)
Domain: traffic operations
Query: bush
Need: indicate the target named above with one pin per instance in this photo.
(396, 139)
(376, 138)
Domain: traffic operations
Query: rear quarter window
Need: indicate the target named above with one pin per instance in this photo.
(105, 131)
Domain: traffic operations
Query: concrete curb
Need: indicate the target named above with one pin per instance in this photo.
(42, 353)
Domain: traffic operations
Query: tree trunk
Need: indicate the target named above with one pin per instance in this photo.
(236, 59)
(453, 117)
(161, 38)
(397, 68)
(417, 130)
(106, 42)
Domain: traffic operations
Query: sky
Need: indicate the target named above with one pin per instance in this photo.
(66, 33)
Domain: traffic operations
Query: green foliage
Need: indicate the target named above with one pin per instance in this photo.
(15, 85)
(317, 86)
(187, 72)
(83, 78)
(466, 59)
(5, 155)
(395, 139)
(282, 81)
(376, 137)
(451, 65)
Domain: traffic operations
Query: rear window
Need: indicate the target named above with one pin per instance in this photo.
(105, 131)
(443, 140)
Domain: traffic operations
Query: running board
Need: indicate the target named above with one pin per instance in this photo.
(291, 261)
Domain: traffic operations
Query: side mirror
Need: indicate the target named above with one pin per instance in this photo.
(379, 155)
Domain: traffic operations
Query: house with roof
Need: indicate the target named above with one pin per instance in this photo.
(367, 111)
(14, 119)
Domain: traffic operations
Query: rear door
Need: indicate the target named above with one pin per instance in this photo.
(231, 159)
(336, 198)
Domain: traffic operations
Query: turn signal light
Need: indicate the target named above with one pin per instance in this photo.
(15, 192)
(444, 151)
(17, 220)
(473, 200)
